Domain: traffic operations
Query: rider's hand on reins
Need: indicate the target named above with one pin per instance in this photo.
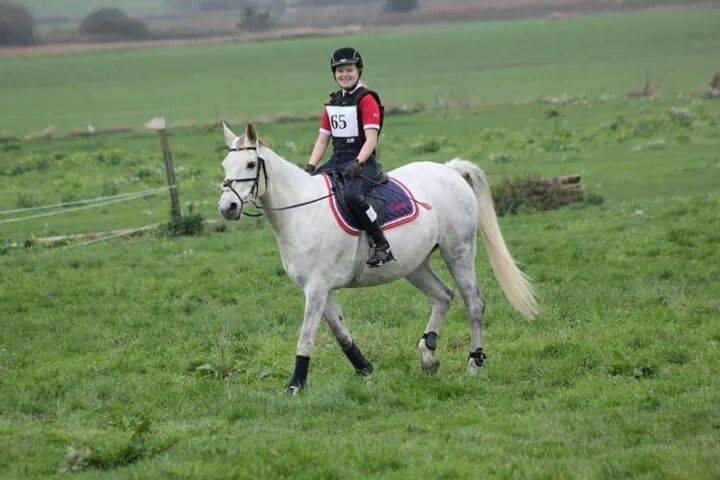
(352, 170)
(310, 168)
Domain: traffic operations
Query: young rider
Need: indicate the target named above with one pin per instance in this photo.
(353, 118)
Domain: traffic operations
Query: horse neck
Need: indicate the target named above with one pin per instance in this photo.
(287, 185)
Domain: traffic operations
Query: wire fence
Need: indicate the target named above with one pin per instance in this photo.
(84, 205)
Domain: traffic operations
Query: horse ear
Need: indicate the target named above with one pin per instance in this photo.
(250, 133)
(230, 137)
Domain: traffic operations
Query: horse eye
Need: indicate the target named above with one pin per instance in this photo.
(251, 165)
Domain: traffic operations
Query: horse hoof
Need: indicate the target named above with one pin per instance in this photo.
(476, 360)
(428, 362)
(366, 370)
(431, 367)
(293, 390)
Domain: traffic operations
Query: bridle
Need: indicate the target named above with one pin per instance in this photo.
(255, 189)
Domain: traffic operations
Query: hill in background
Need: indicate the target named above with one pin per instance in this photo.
(58, 21)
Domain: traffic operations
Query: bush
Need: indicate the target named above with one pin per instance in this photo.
(401, 5)
(6, 245)
(114, 23)
(17, 26)
(514, 196)
(187, 225)
(255, 19)
(190, 224)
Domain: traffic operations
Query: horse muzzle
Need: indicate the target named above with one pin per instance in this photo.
(234, 213)
(230, 208)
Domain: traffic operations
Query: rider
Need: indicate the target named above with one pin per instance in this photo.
(353, 118)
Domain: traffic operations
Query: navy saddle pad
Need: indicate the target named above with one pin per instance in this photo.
(393, 202)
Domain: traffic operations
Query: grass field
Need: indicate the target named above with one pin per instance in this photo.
(471, 64)
(78, 8)
(165, 357)
(617, 378)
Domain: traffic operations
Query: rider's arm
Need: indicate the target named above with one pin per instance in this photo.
(322, 141)
(370, 115)
(318, 152)
(371, 140)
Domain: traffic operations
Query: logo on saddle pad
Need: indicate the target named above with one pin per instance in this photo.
(400, 206)
(397, 206)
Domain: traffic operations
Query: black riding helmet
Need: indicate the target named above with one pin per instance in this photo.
(346, 56)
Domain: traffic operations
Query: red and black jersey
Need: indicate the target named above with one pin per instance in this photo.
(348, 114)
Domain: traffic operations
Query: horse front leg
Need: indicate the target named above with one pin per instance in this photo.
(334, 319)
(315, 301)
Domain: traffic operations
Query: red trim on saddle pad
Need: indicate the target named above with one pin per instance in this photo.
(386, 226)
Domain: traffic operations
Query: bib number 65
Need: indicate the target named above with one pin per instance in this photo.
(338, 122)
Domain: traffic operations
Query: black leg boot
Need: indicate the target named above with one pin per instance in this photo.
(381, 253)
(299, 378)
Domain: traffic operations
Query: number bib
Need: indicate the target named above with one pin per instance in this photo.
(343, 121)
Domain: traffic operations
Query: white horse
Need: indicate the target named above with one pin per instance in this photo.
(321, 258)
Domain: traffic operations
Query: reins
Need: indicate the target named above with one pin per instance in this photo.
(256, 187)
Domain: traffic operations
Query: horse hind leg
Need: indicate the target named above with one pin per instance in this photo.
(333, 316)
(440, 296)
(461, 262)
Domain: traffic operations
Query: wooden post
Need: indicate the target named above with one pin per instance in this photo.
(158, 124)
(170, 171)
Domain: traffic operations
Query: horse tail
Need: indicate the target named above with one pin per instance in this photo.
(514, 283)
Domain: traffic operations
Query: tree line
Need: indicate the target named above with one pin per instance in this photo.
(17, 24)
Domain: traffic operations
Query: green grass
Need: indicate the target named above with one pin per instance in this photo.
(463, 63)
(595, 139)
(165, 358)
(616, 379)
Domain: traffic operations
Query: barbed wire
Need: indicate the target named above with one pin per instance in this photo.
(80, 202)
(135, 196)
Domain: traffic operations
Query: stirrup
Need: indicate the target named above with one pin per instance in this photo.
(380, 256)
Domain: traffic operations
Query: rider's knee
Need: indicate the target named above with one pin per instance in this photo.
(355, 200)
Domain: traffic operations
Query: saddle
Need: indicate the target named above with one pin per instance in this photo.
(394, 203)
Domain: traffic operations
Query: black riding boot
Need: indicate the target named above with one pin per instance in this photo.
(380, 252)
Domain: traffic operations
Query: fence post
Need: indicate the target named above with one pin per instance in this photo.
(158, 124)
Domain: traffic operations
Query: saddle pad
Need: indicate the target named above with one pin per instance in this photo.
(400, 206)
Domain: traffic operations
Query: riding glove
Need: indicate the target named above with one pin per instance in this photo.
(352, 170)
(310, 168)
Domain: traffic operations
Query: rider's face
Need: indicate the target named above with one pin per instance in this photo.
(347, 76)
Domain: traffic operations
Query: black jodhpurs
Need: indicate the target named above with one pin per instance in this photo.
(359, 186)
(356, 188)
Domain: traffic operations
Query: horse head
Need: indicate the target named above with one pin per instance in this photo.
(245, 173)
